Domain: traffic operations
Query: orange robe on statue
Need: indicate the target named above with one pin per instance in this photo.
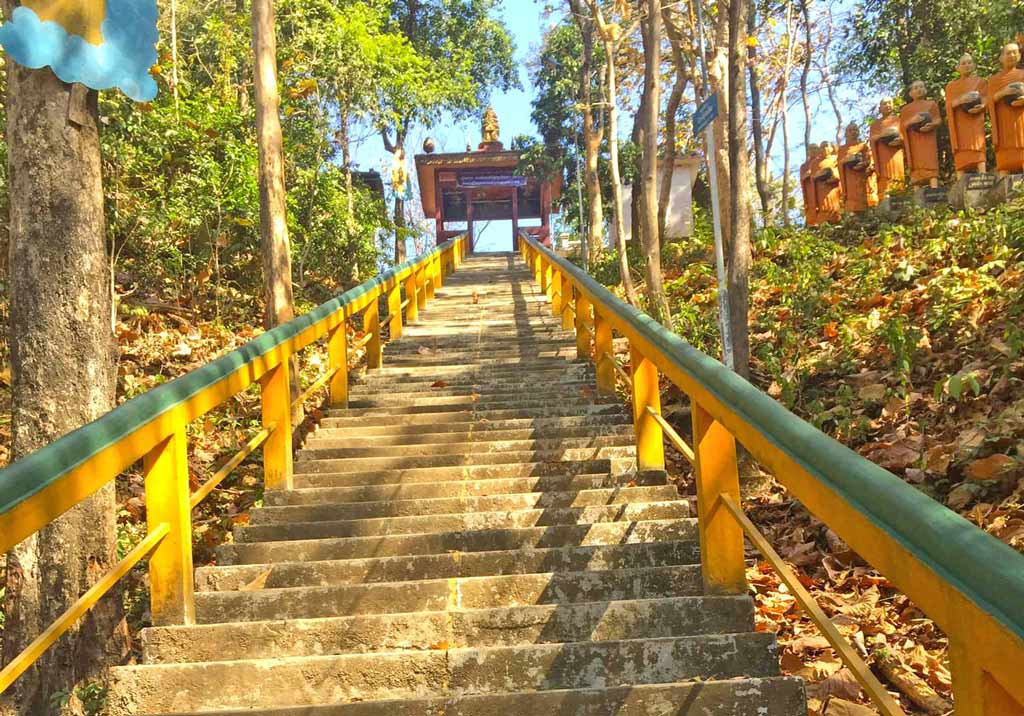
(1007, 123)
(860, 186)
(826, 189)
(921, 148)
(888, 159)
(807, 187)
(966, 130)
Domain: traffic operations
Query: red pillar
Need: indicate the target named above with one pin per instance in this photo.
(469, 219)
(515, 219)
(438, 209)
(545, 212)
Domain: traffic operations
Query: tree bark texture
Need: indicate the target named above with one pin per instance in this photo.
(63, 372)
(805, 10)
(718, 71)
(649, 172)
(275, 247)
(757, 130)
(592, 135)
(679, 65)
(738, 253)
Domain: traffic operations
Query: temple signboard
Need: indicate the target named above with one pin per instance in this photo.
(477, 181)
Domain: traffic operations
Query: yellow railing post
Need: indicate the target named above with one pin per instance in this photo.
(421, 288)
(975, 692)
(604, 354)
(337, 356)
(395, 311)
(412, 309)
(545, 275)
(583, 337)
(438, 262)
(555, 292)
(429, 281)
(569, 294)
(650, 444)
(165, 468)
(371, 326)
(721, 537)
(277, 417)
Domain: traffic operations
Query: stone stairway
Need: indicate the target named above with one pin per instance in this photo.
(469, 537)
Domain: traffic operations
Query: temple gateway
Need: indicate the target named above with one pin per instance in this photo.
(482, 185)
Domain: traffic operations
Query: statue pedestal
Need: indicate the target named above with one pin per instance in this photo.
(896, 205)
(929, 198)
(1007, 187)
(973, 191)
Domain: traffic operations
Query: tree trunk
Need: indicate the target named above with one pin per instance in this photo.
(805, 9)
(651, 245)
(351, 228)
(783, 106)
(738, 265)
(274, 244)
(718, 71)
(592, 136)
(760, 166)
(613, 150)
(675, 98)
(63, 372)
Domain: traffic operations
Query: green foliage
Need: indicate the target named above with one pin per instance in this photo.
(890, 43)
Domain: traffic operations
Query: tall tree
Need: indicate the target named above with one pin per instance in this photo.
(470, 55)
(593, 130)
(756, 126)
(738, 256)
(62, 371)
(275, 247)
(651, 24)
(681, 70)
(611, 35)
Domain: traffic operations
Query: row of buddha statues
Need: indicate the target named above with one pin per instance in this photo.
(857, 175)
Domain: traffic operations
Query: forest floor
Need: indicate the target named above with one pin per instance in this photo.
(904, 341)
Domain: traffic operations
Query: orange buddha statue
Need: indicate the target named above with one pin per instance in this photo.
(856, 173)
(807, 185)
(918, 121)
(887, 150)
(1006, 108)
(827, 197)
(965, 112)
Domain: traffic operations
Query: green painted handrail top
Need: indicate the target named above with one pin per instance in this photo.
(986, 571)
(33, 473)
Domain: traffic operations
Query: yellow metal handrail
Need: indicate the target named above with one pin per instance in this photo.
(965, 580)
(152, 427)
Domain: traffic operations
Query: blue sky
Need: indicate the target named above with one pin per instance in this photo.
(525, 21)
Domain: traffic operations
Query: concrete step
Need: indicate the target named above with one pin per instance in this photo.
(465, 422)
(772, 696)
(333, 460)
(476, 521)
(475, 394)
(331, 437)
(332, 448)
(458, 628)
(309, 493)
(449, 565)
(450, 673)
(323, 473)
(466, 541)
(529, 409)
(423, 595)
(459, 505)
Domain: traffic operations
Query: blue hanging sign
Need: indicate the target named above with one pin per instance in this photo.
(706, 113)
(98, 43)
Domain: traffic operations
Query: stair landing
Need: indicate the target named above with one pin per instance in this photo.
(470, 538)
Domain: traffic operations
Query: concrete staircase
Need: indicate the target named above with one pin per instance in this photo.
(469, 538)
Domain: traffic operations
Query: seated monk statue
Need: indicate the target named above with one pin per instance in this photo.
(918, 121)
(856, 173)
(887, 150)
(1006, 108)
(965, 112)
(826, 184)
(807, 186)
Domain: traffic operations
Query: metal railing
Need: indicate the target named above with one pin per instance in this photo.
(152, 427)
(968, 582)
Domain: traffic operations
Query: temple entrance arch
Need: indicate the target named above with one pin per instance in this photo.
(482, 185)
